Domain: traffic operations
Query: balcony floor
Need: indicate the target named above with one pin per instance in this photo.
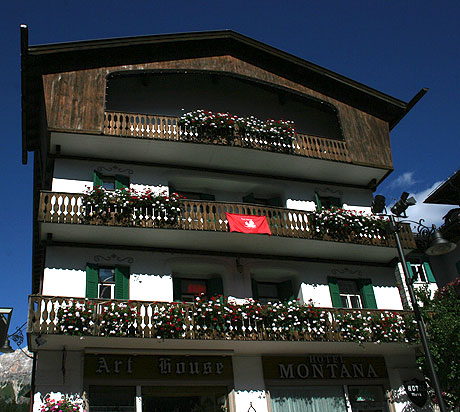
(216, 242)
(215, 157)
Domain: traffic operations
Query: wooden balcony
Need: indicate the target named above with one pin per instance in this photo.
(216, 321)
(165, 128)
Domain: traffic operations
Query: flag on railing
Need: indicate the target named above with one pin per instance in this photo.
(247, 223)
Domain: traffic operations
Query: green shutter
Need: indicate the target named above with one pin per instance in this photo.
(255, 290)
(177, 289)
(285, 291)
(429, 273)
(122, 282)
(409, 268)
(215, 288)
(97, 179)
(275, 201)
(92, 280)
(121, 182)
(205, 196)
(318, 203)
(249, 198)
(367, 294)
(335, 293)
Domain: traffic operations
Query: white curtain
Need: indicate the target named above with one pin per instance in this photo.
(308, 399)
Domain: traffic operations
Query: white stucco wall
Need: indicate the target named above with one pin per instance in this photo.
(77, 176)
(249, 384)
(151, 274)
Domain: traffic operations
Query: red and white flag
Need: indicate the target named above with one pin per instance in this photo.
(247, 223)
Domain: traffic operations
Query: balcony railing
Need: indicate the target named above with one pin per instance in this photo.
(166, 128)
(215, 320)
(210, 216)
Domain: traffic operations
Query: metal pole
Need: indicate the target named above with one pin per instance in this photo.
(418, 318)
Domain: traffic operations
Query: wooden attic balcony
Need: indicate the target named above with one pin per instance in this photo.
(202, 225)
(165, 128)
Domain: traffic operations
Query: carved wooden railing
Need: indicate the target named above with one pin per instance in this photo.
(166, 128)
(148, 320)
(209, 216)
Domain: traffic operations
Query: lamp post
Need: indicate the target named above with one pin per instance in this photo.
(439, 246)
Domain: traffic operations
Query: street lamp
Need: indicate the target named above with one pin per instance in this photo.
(439, 246)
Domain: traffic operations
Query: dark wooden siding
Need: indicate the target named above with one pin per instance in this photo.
(367, 136)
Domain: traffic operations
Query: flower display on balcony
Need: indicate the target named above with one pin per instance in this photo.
(62, 403)
(220, 318)
(210, 126)
(346, 225)
(127, 206)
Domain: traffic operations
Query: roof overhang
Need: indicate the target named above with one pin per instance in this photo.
(62, 57)
(447, 193)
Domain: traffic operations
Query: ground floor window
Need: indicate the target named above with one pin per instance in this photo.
(308, 399)
(328, 398)
(184, 399)
(112, 398)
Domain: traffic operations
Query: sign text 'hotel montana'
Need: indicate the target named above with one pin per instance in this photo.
(324, 367)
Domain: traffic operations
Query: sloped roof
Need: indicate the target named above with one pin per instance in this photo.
(447, 193)
(61, 57)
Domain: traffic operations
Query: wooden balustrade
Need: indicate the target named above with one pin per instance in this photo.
(166, 128)
(163, 320)
(206, 216)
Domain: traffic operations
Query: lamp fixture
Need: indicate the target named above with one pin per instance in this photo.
(439, 246)
(378, 204)
(400, 207)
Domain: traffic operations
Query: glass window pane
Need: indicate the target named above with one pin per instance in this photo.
(105, 291)
(308, 399)
(349, 287)
(106, 275)
(108, 183)
(267, 290)
(355, 302)
(345, 303)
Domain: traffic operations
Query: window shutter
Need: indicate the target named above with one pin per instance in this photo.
(121, 182)
(122, 282)
(275, 201)
(177, 289)
(367, 294)
(255, 290)
(318, 202)
(335, 293)
(92, 280)
(215, 288)
(429, 273)
(249, 198)
(285, 290)
(97, 179)
(205, 196)
(409, 268)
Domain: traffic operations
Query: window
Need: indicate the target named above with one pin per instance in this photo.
(349, 294)
(187, 289)
(419, 271)
(107, 282)
(110, 182)
(266, 292)
(327, 202)
(352, 293)
(274, 201)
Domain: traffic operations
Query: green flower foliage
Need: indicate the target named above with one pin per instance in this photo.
(344, 225)
(129, 207)
(209, 126)
(441, 314)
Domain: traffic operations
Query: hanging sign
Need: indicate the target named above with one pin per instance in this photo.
(416, 391)
(247, 223)
(158, 367)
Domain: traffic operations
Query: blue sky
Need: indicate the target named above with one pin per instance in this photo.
(397, 47)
